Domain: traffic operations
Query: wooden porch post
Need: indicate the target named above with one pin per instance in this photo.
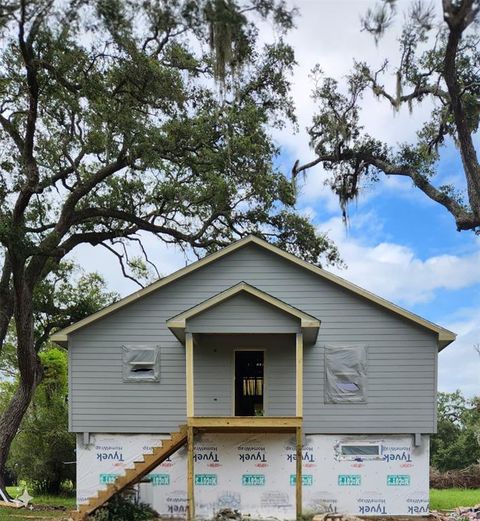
(299, 375)
(299, 413)
(189, 375)
(298, 482)
(190, 475)
(190, 432)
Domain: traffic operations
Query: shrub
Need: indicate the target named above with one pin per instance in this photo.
(119, 508)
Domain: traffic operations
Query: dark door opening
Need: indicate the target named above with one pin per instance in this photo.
(248, 383)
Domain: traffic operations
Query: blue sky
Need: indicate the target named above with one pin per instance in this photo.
(399, 245)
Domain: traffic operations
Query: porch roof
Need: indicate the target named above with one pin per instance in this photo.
(308, 324)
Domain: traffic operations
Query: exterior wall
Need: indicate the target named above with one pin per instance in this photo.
(401, 355)
(255, 473)
(214, 373)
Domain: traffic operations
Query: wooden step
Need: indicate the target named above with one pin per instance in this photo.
(132, 475)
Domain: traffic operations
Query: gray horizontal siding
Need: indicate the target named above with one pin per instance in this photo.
(243, 313)
(401, 357)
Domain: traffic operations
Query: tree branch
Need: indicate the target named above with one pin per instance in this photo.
(93, 238)
(142, 224)
(30, 164)
(119, 256)
(37, 262)
(71, 87)
(464, 220)
(10, 129)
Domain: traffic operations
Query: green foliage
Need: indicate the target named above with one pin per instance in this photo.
(43, 444)
(8, 366)
(129, 89)
(68, 294)
(65, 295)
(457, 442)
(120, 508)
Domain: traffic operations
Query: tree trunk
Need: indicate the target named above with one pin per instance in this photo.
(464, 132)
(29, 365)
(10, 422)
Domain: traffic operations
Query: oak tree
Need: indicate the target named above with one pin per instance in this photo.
(120, 118)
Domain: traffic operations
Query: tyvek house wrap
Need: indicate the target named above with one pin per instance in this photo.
(255, 473)
(345, 373)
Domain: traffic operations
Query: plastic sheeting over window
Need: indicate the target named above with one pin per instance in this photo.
(345, 373)
(141, 364)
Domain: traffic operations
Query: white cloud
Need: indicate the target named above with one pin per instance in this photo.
(312, 190)
(393, 270)
(166, 258)
(459, 363)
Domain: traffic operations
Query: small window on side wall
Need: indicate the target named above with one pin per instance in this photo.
(360, 451)
(141, 363)
(345, 374)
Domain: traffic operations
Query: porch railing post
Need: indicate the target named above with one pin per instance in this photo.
(298, 481)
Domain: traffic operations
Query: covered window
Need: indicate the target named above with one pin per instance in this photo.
(345, 373)
(359, 451)
(141, 364)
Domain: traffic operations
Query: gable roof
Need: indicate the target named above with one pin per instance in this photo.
(308, 323)
(445, 336)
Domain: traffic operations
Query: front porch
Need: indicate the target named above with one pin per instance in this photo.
(267, 423)
(260, 390)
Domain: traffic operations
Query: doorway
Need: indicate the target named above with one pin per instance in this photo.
(249, 383)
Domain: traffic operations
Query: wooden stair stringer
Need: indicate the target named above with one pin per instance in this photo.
(133, 475)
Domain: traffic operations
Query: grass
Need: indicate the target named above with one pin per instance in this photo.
(451, 498)
(64, 500)
(43, 513)
(9, 514)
